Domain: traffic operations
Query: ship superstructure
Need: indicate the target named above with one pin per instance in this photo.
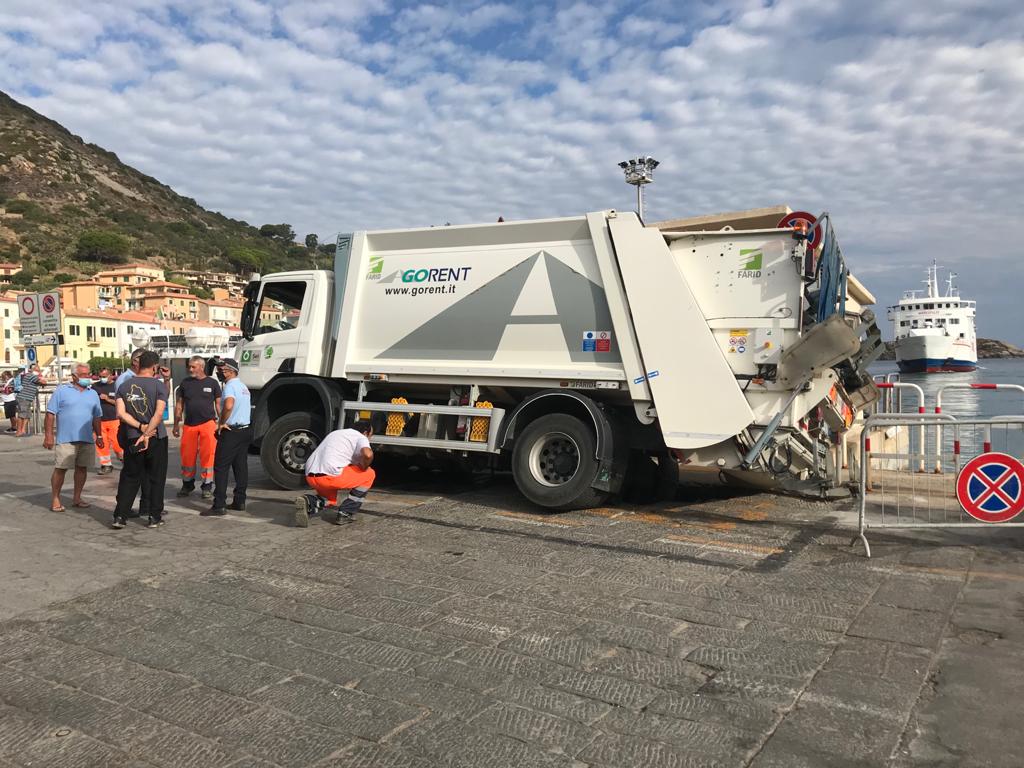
(935, 333)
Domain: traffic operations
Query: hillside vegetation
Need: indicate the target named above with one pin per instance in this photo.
(72, 208)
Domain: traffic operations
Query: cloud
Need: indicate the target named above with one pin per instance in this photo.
(901, 118)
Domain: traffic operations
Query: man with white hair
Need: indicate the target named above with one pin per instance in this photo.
(73, 431)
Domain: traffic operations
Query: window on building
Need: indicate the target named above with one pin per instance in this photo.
(74, 330)
(7, 313)
(7, 333)
(90, 333)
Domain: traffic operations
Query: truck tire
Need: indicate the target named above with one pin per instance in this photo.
(553, 463)
(286, 446)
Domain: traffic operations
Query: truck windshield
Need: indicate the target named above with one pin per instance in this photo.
(280, 307)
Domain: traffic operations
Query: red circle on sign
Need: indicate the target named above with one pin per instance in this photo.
(28, 305)
(814, 230)
(990, 487)
(49, 304)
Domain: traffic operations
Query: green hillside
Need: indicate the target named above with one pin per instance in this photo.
(72, 208)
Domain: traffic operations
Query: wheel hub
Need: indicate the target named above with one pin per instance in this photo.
(554, 459)
(296, 448)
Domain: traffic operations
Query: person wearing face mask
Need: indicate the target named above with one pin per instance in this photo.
(106, 390)
(73, 432)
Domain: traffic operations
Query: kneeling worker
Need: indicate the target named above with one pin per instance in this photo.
(340, 463)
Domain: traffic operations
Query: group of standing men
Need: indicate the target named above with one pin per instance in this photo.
(126, 418)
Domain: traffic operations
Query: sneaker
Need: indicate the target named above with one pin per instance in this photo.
(235, 506)
(118, 523)
(300, 517)
(154, 523)
(335, 516)
(185, 490)
(11, 431)
(213, 512)
(106, 470)
(207, 491)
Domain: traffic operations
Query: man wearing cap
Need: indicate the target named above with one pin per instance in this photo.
(233, 438)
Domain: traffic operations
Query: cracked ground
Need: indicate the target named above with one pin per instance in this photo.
(453, 625)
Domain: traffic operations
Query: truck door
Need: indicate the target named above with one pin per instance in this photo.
(280, 330)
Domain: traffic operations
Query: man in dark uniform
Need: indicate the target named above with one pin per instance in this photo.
(233, 438)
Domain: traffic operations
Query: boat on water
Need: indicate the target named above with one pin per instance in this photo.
(935, 333)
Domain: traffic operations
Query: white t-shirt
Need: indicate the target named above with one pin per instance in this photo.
(336, 452)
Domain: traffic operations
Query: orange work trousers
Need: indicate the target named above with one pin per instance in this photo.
(198, 442)
(351, 478)
(110, 444)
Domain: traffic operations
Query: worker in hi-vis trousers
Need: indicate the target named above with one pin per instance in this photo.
(197, 399)
(109, 422)
(340, 463)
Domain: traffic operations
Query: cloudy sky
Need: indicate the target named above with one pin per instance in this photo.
(904, 118)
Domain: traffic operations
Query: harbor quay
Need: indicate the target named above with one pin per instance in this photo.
(453, 624)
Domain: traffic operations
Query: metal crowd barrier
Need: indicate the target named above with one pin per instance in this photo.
(978, 481)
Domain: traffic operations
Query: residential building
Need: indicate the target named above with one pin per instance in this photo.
(8, 270)
(168, 305)
(231, 283)
(137, 293)
(12, 353)
(224, 312)
(89, 334)
(128, 323)
(131, 274)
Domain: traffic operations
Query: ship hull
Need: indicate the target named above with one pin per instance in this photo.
(935, 354)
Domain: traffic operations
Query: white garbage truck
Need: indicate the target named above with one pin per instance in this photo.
(586, 355)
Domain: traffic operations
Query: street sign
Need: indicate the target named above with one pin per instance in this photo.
(28, 313)
(814, 233)
(30, 354)
(990, 487)
(41, 339)
(49, 312)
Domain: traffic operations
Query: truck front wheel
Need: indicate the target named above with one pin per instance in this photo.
(287, 444)
(553, 463)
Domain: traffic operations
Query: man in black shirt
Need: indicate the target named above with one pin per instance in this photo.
(106, 390)
(198, 400)
(141, 400)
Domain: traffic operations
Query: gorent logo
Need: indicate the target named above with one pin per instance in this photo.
(436, 275)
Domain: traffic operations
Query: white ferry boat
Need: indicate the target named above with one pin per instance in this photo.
(933, 333)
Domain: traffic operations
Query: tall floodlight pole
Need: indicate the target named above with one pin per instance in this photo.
(639, 171)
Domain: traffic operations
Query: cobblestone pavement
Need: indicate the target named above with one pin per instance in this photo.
(451, 625)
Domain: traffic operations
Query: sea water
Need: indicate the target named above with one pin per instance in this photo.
(971, 403)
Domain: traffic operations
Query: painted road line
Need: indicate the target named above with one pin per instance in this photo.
(715, 545)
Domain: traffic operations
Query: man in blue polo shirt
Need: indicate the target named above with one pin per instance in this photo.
(74, 409)
(233, 438)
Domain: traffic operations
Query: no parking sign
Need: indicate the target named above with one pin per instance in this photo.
(990, 487)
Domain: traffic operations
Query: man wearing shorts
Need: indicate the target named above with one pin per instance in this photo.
(74, 409)
(340, 463)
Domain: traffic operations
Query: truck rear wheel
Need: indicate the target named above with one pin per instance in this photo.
(286, 446)
(553, 463)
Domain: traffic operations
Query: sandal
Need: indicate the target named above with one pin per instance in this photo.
(58, 509)
(81, 504)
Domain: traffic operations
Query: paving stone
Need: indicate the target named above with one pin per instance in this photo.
(477, 629)
(200, 709)
(395, 612)
(780, 691)
(377, 587)
(230, 674)
(921, 628)
(133, 685)
(783, 633)
(705, 739)
(343, 709)
(515, 664)
(544, 699)
(20, 729)
(626, 637)
(534, 727)
(654, 670)
(59, 661)
(454, 743)
(571, 650)
(363, 755)
(612, 690)
(613, 749)
(918, 593)
(843, 690)
(414, 640)
(851, 734)
(769, 663)
(281, 739)
(689, 614)
(461, 675)
(174, 747)
(902, 664)
(75, 750)
(749, 715)
(423, 692)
